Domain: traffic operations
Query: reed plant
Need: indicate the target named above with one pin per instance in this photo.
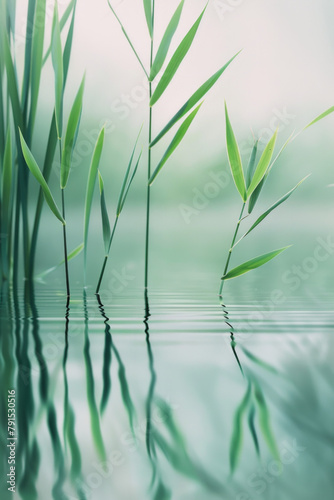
(249, 183)
(18, 115)
(159, 76)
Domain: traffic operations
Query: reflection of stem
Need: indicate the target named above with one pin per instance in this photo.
(106, 359)
(150, 396)
(69, 421)
(231, 248)
(110, 347)
(94, 415)
(233, 342)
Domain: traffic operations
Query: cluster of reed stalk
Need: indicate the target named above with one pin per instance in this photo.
(18, 114)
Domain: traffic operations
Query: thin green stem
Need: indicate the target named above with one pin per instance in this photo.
(231, 248)
(148, 193)
(106, 257)
(65, 245)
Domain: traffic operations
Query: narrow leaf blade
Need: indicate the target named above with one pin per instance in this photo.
(148, 15)
(129, 185)
(251, 164)
(262, 165)
(6, 180)
(91, 185)
(166, 41)
(320, 117)
(257, 191)
(176, 60)
(71, 135)
(34, 169)
(175, 142)
(234, 158)
(275, 205)
(193, 100)
(104, 216)
(74, 253)
(62, 22)
(36, 58)
(252, 264)
(126, 177)
(57, 61)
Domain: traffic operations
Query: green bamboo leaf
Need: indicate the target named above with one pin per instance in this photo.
(275, 205)
(148, 15)
(193, 100)
(104, 216)
(234, 158)
(257, 191)
(68, 44)
(27, 55)
(71, 7)
(11, 8)
(320, 117)
(71, 136)
(166, 41)
(252, 264)
(90, 186)
(77, 251)
(36, 59)
(2, 109)
(11, 81)
(263, 165)
(34, 169)
(176, 60)
(58, 66)
(251, 164)
(175, 142)
(125, 189)
(265, 424)
(129, 185)
(237, 433)
(6, 181)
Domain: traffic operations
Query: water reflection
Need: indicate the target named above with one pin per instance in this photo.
(105, 413)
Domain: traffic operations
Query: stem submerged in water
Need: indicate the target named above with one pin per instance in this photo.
(231, 248)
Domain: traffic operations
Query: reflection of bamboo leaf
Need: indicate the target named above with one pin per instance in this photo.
(259, 361)
(265, 424)
(106, 370)
(237, 434)
(94, 415)
(251, 424)
(126, 397)
(162, 492)
(179, 458)
(59, 463)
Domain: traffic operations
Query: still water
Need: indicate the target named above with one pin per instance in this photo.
(167, 396)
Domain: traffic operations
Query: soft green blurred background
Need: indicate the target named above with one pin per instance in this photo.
(283, 77)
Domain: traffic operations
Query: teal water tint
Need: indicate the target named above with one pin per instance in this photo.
(168, 396)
